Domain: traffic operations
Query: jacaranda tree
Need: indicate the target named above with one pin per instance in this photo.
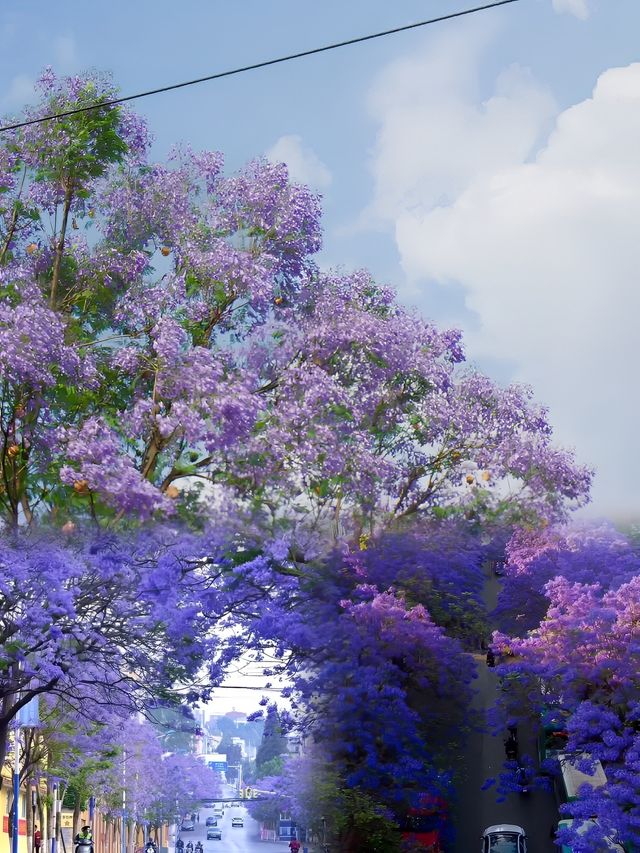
(584, 656)
(193, 415)
(164, 327)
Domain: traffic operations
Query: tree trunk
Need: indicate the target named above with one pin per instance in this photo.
(4, 743)
(41, 820)
(76, 816)
(57, 263)
(30, 815)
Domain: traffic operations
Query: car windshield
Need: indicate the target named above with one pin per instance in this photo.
(503, 842)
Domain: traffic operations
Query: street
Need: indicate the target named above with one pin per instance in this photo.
(236, 839)
(483, 759)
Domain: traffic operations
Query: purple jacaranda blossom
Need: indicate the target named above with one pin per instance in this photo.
(583, 656)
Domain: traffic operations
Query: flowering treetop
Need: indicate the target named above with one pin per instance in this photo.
(164, 326)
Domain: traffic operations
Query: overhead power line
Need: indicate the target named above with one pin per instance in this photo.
(230, 73)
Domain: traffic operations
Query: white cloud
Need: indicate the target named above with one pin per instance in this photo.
(303, 163)
(434, 138)
(579, 8)
(542, 238)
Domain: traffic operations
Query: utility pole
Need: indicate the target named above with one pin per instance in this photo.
(34, 806)
(16, 786)
(54, 839)
(123, 840)
(178, 818)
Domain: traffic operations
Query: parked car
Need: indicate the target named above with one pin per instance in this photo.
(211, 821)
(237, 821)
(187, 826)
(504, 838)
(214, 834)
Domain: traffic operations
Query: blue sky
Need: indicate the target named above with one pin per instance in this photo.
(488, 167)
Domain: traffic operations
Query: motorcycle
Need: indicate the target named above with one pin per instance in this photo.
(522, 780)
(511, 748)
(84, 843)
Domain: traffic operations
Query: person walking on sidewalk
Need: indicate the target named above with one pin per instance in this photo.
(37, 840)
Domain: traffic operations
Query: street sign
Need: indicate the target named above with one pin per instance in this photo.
(218, 765)
(29, 714)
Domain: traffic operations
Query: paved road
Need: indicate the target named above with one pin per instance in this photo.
(483, 759)
(234, 839)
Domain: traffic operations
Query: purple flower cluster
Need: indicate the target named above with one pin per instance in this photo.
(103, 468)
(33, 349)
(583, 655)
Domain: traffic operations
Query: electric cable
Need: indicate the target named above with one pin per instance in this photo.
(264, 64)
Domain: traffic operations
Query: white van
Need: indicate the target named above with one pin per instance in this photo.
(573, 779)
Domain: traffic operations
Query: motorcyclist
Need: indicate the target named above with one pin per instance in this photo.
(180, 845)
(491, 657)
(511, 747)
(150, 847)
(199, 847)
(294, 845)
(190, 847)
(84, 840)
(522, 779)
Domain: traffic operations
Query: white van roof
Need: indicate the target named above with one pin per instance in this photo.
(573, 778)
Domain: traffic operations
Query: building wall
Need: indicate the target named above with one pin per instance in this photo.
(6, 797)
(106, 831)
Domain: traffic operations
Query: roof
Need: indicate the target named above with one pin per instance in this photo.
(504, 827)
(573, 778)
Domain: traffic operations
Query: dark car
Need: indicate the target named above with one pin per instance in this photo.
(214, 834)
(237, 821)
(211, 821)
(187, 826)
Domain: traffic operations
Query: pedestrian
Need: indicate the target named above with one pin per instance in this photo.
(37, 840)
